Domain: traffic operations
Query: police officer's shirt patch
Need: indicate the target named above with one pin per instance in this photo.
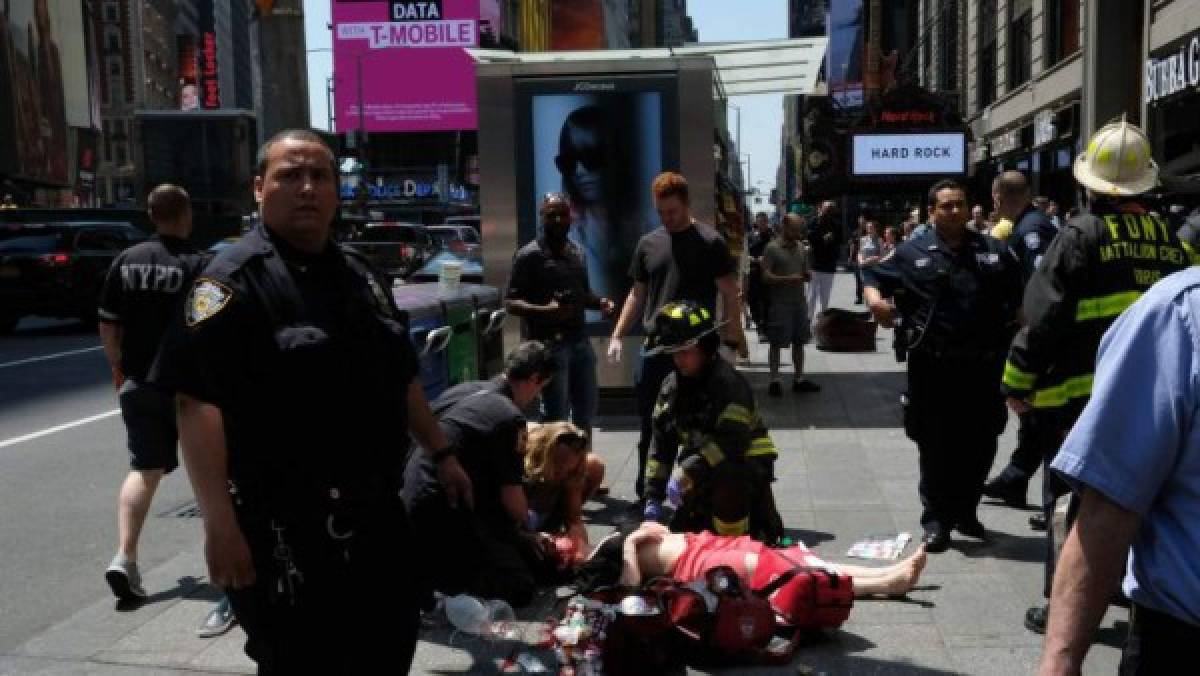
(207, 298)
(1032, 241)
(989, 258)
(922, 262)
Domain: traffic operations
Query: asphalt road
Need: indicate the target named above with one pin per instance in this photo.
(59, 482)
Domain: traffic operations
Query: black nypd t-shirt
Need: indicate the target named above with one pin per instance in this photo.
(539, 276)
(483, 424)
(142, 292)
(680, 266)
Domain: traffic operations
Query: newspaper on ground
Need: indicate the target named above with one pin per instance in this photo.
(880, 547)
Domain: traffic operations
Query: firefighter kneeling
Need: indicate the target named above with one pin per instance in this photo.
(705, 416)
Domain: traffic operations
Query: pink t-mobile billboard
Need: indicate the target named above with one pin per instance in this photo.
(411, 56)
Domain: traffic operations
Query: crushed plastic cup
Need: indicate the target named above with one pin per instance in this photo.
(502, 621)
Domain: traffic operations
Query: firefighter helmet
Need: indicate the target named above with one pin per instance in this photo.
(680, 325)
(1117, 161)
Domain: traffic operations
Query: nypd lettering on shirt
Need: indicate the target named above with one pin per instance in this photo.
(148, 277)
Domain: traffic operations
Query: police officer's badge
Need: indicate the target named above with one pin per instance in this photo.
(1032, 241)
(207, 298)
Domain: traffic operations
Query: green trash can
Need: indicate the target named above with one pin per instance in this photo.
(462, 353)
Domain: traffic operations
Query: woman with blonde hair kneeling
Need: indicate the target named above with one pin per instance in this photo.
(560, 475)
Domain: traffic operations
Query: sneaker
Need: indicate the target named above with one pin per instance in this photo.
(805, 385)
(775, 389)
(1037, 522)
(219, 620)
(124, 580)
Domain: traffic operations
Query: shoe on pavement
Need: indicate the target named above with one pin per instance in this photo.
(805, 385)
(1035, 619)
(218, 621)
(124, 580)
(1037, 522)
(973, 528)
(1011, 492)
(775, 389)
(936, 540)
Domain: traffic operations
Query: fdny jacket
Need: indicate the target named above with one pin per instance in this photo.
(713, 416)
(1098, 266)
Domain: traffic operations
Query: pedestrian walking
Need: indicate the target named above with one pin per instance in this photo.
(296, 393)
(549, 290)
(1098, 265)
(825, 244)
(785, 271)
(681, 260)
(958, 293)
(142, 291)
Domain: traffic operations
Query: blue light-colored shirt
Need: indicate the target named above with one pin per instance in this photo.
(1138, 441)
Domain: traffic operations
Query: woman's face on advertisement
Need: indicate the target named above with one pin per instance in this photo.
(586, 162)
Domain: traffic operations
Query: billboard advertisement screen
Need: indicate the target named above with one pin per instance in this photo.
(601, 142)
(916, 154)
(405, 65)
(844, 62)
(43, 87)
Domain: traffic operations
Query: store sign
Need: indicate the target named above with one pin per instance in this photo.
(406, 189)
(888, 154)
(404, 64)
(1044, 129)
(1006, 142)
(210, 88)
(1170, 75)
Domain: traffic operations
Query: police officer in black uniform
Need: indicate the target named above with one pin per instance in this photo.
(489, 551)
(1031, 236)
(296, 394)
(958, 292)
(141, 294)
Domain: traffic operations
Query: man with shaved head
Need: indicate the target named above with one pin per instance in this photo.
(1031, 236)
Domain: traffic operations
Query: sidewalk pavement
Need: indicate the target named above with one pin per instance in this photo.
(845, 471)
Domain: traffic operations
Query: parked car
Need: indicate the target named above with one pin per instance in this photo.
(472, 270)
(57, 269)
(395, 249)
(472, 221)
(461, 240)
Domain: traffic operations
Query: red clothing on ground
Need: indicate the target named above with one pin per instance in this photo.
(706, 551)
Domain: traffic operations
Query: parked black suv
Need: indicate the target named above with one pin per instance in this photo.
(57, 269)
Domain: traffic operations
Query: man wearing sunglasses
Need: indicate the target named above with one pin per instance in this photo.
(549, 291)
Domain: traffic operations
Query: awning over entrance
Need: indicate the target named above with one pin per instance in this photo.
(763, 67)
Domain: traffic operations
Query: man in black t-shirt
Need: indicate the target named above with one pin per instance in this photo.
(141, 294)
(756, 294)
(682, 260)
(549, 290)
(825, 245)
(487, 551)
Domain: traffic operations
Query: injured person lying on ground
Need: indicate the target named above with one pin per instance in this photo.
(653, 551)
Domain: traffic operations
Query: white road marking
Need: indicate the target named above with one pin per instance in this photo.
(58, 428)
(46, 357)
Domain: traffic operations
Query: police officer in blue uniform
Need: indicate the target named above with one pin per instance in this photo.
(957, 292)
(296, 394)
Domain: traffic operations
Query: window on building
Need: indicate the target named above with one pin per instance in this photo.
(1062, 30)
(985, 56)
(1020, 42)
(112, 39)
(947, 31)
(111, 11)
(927, 32)
(121, 158)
